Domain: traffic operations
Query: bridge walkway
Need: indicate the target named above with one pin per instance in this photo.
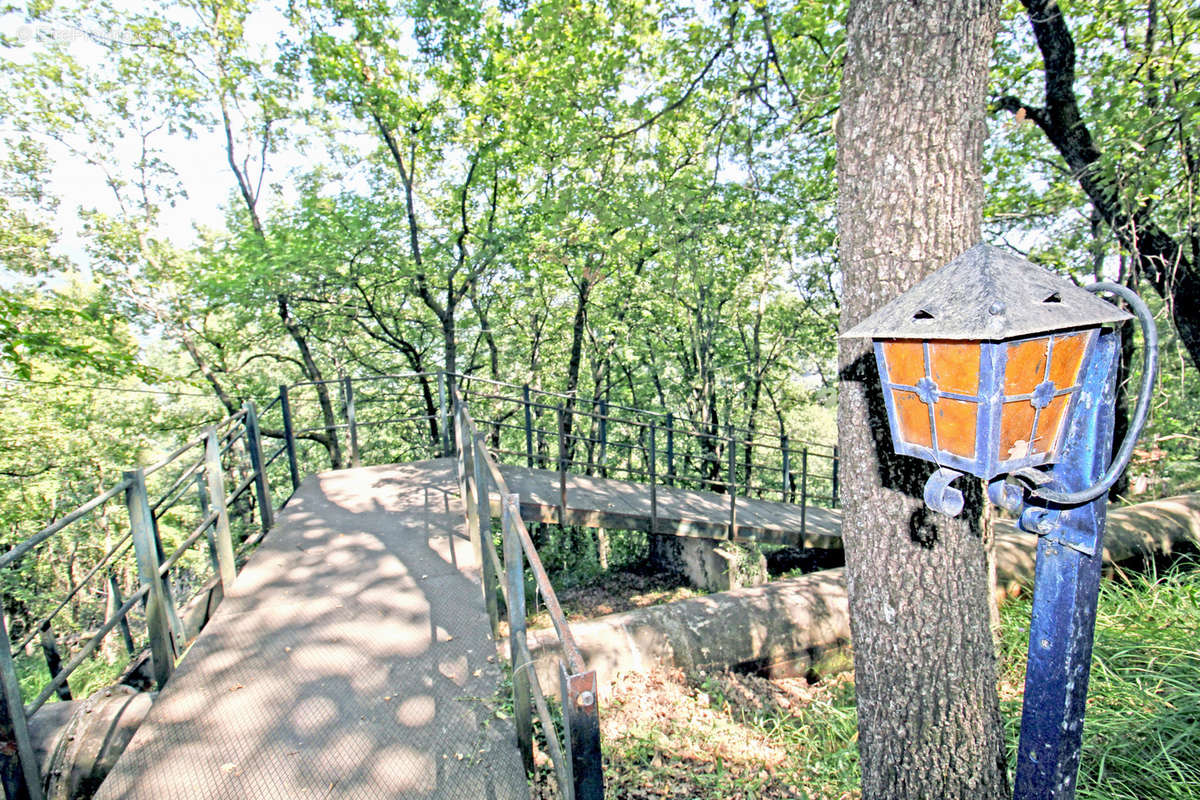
(351, 659)
(625, 505)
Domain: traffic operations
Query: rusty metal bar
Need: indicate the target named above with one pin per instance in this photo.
(787, 469)
(215, 477)
(484, 516)
(289, 436)
(653, 480)
(351, 425)
(86, 651)
(443, 415)
(45, 533)
(54, 660)
(732, 484)
(581, 722)
(262, 487)
(74, 590)
(562, 467)
(116, 601)
(804, 491)
(553, 742)
(528, 426)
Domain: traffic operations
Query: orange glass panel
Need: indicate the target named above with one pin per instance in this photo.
(955, 366)
(1016, 426)
(956, 425)
(1026, 367)
(1066, 358)
(905, 361)
(1050, 424)
(912, 418)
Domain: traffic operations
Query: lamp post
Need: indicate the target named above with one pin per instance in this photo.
(996, 368)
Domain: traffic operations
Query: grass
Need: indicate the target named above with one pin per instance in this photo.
(93, 674)
(1141, 735)
(670, 735)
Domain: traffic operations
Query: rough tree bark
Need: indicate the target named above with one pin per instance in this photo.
(910, 139)
(1163, 260)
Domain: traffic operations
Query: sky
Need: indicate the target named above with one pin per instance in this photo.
(200, 162)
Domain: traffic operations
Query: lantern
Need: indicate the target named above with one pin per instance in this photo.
(981, 365)
(995, 367)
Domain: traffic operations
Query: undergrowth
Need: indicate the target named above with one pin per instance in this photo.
(1141, 733)
(727, 736)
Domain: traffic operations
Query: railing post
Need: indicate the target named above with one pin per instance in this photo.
(443, 413)
(53, 660)
(514, 572)
(114, 593)
(262, 487)
(581, 723)
(483, 514)
(215, 478)
(20, 773)
(603, 437)
(351, 423)
(732, 481)
(202, 495)
(289, 437)
(653, 478)
(145, 549)
(562, 467)
(834, 492)
(460, 452)
(528, 426)
(787, 467)
(804, 491)
(670, 449)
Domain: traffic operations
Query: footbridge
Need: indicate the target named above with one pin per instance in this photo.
(297, 624)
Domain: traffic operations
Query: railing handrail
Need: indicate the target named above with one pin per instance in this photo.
(557, 618)
(582, 777)
(237, 433)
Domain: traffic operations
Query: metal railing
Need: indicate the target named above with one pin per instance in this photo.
(595, 437)
(575, 754)
(153, 555)
(394, 418)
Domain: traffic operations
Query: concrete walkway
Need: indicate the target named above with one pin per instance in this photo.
(352, 659)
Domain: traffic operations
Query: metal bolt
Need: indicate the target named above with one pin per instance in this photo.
(996, 308)
(1045, 644)
(585, 699)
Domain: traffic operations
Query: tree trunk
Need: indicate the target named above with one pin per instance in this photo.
(910, 140)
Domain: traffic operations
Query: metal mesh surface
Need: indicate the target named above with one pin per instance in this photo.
(351, 660)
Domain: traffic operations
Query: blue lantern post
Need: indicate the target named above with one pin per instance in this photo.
(997, 368)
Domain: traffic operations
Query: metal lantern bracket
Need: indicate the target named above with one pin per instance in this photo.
(1043, 504)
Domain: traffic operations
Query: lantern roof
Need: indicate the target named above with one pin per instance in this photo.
(987, 294)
